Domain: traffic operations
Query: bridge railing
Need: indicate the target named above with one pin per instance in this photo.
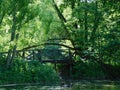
(45, 55)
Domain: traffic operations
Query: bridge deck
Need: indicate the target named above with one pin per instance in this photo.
(56, 61)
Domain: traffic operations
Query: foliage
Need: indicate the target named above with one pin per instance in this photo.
(92, 27)
(28, 72)
(88, 70)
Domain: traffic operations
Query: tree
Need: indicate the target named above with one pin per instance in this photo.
(87, 23)
(17, 14)
(26, 23)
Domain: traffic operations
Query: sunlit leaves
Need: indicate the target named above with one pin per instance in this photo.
(37, 21)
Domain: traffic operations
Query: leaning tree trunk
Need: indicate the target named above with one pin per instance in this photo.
(86, 22)
(63, 20)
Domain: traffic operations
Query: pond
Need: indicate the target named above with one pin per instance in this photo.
(81, 85)
(96, 85)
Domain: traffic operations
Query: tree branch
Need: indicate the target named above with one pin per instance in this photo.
(34, 46)
(58, 12)
(2, 16)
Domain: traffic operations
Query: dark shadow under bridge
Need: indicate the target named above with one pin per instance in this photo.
(46, 55)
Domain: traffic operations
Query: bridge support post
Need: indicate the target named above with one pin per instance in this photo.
(70, 63)
(70, 70)
(33, 52)
(55, 65)
(23, 54)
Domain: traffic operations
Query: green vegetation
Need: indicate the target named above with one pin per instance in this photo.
(88, 70)
(28, 72)
(90, 29)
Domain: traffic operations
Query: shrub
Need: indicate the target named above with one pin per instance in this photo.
(28, 72)
(88, 70)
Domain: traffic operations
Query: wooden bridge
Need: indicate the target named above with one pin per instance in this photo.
(46, 55)
(54, 56)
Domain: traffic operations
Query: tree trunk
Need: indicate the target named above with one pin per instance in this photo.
(11, 51)
(86, 22)
(63, 20)
(2, 16)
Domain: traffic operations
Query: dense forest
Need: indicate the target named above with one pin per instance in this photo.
(90, 29)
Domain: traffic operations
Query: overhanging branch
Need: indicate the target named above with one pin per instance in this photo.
(58, 44)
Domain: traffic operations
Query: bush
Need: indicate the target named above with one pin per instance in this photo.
(88, 70)
(28, 72)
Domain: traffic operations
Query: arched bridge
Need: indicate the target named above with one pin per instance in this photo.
(54, 56)
(47, 55)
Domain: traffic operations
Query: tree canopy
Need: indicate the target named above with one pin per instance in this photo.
(92, 26)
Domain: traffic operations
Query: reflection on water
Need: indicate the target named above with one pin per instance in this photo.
(35, 88)
(95, 87)
(82, 85)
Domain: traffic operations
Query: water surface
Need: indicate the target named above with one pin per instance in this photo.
(81, 85)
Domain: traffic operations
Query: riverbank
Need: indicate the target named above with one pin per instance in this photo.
(72, 85)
